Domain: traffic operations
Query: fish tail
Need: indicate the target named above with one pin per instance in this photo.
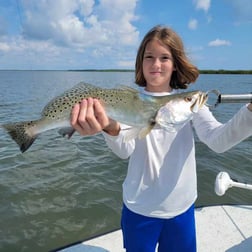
(20, 132)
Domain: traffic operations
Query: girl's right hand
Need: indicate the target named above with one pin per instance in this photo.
(89, 118)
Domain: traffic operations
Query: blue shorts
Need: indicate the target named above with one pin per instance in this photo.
(143, 234)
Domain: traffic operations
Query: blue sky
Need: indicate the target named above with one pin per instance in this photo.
(105, 34)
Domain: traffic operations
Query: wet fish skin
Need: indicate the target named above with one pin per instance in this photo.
(125, 105)
(122, 104)
(176, 113)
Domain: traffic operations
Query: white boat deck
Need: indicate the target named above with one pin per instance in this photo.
(219, 228)
(224, 228)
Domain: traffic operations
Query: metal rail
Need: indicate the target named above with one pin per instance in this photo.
(230, 98)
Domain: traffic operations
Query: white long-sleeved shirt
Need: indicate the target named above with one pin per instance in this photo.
(161, 179)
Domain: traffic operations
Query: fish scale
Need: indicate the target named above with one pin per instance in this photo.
(125, 105)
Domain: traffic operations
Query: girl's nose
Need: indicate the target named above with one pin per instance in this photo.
(156, 62)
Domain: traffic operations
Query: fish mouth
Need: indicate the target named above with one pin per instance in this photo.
(203, 98)
(199, 102)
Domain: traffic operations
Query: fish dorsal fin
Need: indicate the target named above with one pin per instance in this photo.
(127, 88)
(84, 85)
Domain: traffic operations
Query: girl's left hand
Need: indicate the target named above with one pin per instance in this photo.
(250, 106)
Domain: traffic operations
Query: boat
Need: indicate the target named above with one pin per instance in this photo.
(219, 228)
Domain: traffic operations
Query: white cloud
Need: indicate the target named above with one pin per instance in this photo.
(86, 7)
(17, 47)
(193, 24)
(77, 33)
(219, 42)
(126, 64)
(202, 4)
(81, 23)
(4, 47)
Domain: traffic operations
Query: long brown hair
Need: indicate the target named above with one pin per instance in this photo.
(185, 72)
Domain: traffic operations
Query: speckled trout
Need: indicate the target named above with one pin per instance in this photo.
(141, 112)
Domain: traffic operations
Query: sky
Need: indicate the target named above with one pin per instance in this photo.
(105, 34)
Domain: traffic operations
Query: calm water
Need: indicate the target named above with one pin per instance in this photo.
(62, 191)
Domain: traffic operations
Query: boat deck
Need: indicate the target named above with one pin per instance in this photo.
(219, 228)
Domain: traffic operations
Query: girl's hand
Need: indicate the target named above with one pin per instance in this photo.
(250, 106)
(89, 118)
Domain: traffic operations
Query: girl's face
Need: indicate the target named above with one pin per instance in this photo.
(157, 67)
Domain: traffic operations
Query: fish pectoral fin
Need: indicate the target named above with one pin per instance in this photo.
(68, 131)
(131, 134)
(134, 133)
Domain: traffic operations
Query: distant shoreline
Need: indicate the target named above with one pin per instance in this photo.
(225, 71)
(220, 71)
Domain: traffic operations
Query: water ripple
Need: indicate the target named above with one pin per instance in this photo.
(61, 191)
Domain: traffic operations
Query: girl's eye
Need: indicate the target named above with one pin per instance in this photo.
(148, 57)
(161, 58)
(166, 58)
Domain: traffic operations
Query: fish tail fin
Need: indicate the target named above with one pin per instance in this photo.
(21, 134)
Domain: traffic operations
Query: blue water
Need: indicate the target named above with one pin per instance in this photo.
(61, 191)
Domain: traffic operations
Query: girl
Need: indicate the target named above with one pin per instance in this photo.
(160, 188)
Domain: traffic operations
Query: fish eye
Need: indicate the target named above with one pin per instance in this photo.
(188, 99)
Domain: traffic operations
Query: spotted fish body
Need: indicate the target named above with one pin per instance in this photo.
(125, 105)
(119, 103)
